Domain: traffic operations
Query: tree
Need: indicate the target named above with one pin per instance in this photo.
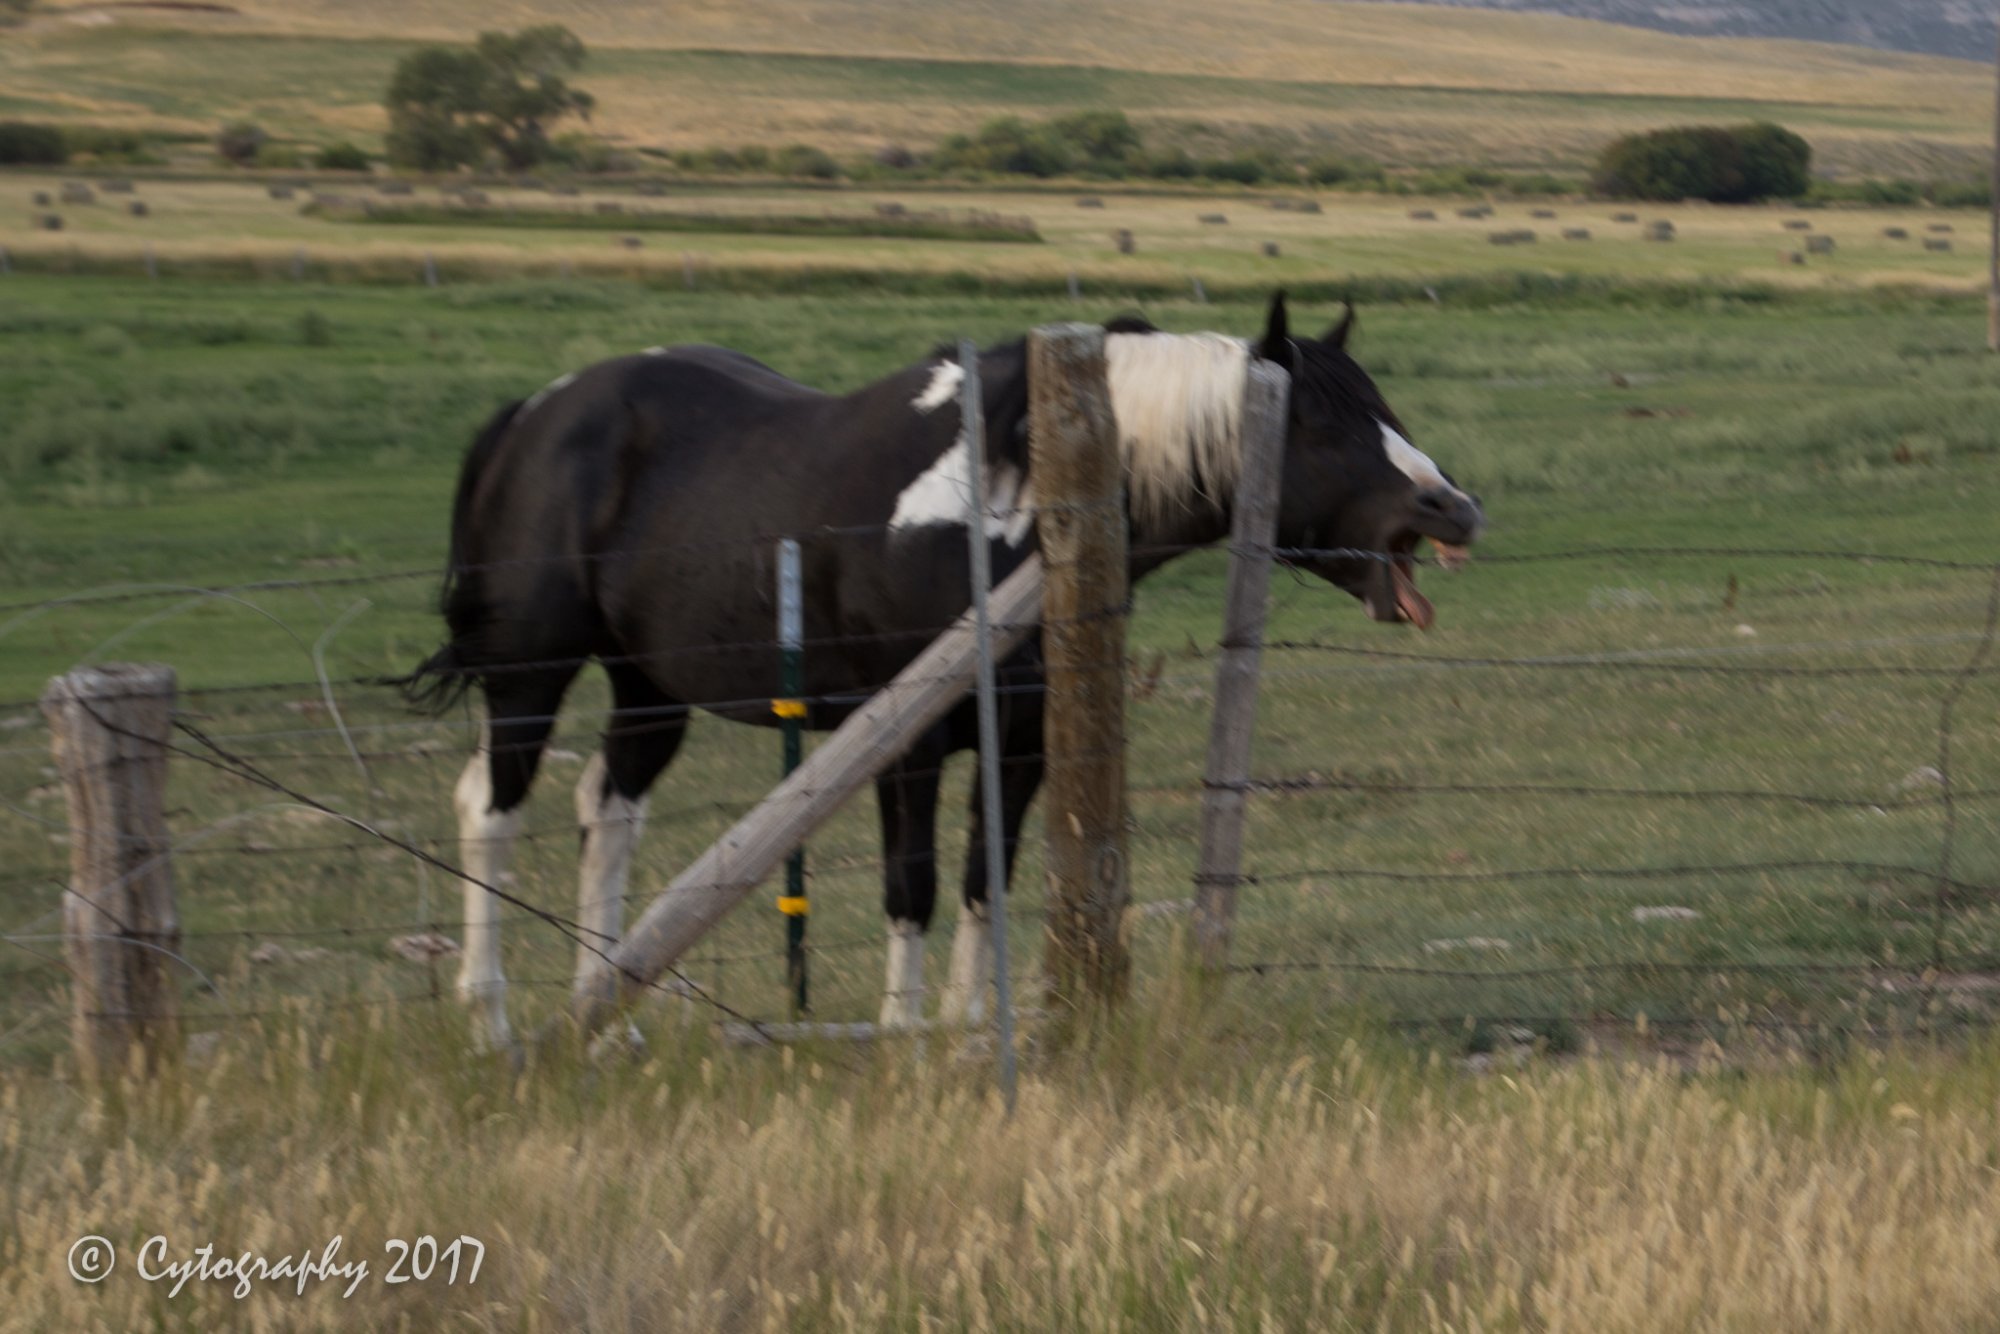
(1722, 164)
(449, 106)
(240, 142)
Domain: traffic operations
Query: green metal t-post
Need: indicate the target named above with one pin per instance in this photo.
(791, 709)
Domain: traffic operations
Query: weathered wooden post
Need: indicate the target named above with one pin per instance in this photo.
(108, 728)
(1253, 528)
(1079, 488)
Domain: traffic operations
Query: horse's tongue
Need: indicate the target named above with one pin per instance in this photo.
(1416, 607)
(1450, 557)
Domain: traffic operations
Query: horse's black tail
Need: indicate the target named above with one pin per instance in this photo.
(442, 679)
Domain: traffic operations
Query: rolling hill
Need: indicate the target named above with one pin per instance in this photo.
(1396, 82)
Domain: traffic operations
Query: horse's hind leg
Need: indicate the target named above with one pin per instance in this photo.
(520, 712)
(645, 730)
(907, 794)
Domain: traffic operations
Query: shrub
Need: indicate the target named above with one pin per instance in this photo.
(1343, 171)
(283, 157)
(1722, 164)
(805, 160)
(342, 156)
(1241, 169)
(240, 142)
(40, 145)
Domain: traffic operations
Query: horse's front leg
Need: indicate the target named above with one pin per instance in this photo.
(964, 999)
(907, 795)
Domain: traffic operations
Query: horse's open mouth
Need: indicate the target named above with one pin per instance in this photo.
(1401, 600)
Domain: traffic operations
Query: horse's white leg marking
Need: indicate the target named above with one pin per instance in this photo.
(971, 968)
(903, 989)
(552, 387)
(486, 841)
(611, 826)
(946, 377)
(1414, 463)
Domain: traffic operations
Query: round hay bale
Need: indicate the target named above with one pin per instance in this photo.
(1624, 217)
(1215, 219)
(606, 207)
(138, 209)
(281, 191)
(1423, 215)
(1791, 257)
(1819, 245)
(1797, 225)
(43, 199)
(631, 242)
(76, 192)
(1502, 238)
(1310, 206)
(1939, 243)
(1938, 227)
(1896, 233)
(472, 198)
(1541, 213)
(1090, 201)
(891, 209)
(1127, 243)
(1660, 230)
(1576, 233)
(1270, 249)
(48, 222)
(116, 187)
(1476, 211)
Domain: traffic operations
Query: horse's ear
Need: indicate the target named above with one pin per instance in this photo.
(1338, 334)
(1276, 344)
(1130, 323)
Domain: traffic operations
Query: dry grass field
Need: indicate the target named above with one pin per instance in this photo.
(1403, 85)
(232, 227)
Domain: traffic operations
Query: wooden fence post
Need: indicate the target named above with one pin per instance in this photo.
(1253, 529)
(108, 727)
(1080, 516)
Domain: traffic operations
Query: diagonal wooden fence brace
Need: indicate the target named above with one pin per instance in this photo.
(1253, 532)
(876, 734)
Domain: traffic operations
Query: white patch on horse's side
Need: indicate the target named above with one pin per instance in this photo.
(903, 986)
(611, 824)
(1179, 403)
(964, 999)
(946, 377)
(486, 843)
(942, 495)
(1411, 461)
(552, 387)
(656, 352)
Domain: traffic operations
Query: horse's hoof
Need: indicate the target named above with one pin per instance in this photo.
(490, 1029)
(900, 1014)
(962, 1008)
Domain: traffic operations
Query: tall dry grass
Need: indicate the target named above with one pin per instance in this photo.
(1178, 1175)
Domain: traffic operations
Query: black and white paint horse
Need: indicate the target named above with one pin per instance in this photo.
(627, 515)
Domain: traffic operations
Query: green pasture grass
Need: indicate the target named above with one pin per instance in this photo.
(915, 227)
(209, 434)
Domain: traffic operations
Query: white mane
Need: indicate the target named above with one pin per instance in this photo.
(1179, 403)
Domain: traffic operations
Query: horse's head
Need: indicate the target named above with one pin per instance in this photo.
(1353, 481)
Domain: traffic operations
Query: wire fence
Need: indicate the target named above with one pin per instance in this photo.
(1689, 784)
